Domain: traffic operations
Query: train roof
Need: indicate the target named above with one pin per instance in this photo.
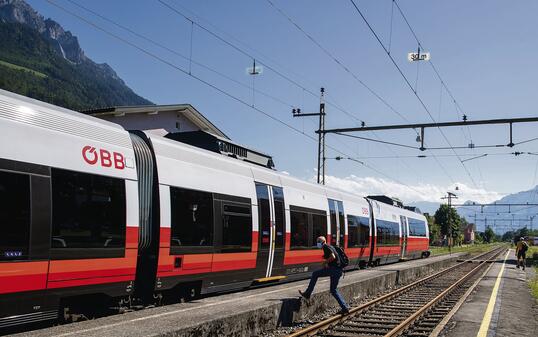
(32, 106)
(23, 101)
(201, 156)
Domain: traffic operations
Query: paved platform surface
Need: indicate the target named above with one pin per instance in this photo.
(250, 312)
(514, 312)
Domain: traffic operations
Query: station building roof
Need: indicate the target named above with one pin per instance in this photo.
(171, 118)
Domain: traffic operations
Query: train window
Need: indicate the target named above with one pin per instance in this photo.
(236, 228)
(264, 215)
(332, 215)
(191, 218)
(280, 218)
(88, 211)
(319, 227)
(299, 230)
(306, 225)
(342, 222)
(358, 231)
(416, 227)
(388, 233)
(14, 216)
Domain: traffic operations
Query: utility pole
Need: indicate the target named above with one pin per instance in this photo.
(320, 132)
(449, 197)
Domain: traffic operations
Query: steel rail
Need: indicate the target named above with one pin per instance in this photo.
(334, 320)
(411, 319)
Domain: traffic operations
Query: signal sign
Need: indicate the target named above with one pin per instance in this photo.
(412, 57)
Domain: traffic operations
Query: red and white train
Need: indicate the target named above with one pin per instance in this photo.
(93, 215)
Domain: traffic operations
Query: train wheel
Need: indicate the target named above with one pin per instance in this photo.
(192, 293)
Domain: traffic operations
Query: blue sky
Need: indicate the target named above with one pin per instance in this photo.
(484, 50)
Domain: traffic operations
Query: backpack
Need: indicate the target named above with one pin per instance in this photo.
(343, 259)
(524, 246)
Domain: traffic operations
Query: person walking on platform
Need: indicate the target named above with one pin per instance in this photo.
(331, 268)
(521, 250)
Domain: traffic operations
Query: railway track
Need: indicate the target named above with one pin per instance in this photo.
(414, 310)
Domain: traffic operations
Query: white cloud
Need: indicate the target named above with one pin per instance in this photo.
(423, 192)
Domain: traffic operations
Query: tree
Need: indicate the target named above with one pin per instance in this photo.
(448, 218)
(508, 236)
(522, 232)
(434, 229)
(489, 235)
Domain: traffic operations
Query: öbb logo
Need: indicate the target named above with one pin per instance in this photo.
(92, 155)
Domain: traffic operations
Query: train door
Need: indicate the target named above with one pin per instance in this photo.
(404, 233)
(373, 230)
(271, 215)
(338, 232)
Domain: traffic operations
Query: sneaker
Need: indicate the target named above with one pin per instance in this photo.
(517, 266)
(344, 312)
(304, 294)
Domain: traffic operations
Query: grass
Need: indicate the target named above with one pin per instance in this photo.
(533, 284)
(16, 67)
(532, 250)
(472, 249)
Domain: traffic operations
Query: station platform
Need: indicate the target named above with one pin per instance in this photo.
(500, 305)
(250, 312)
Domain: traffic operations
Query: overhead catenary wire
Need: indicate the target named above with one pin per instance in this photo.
(356, 77)
(177, 53)
(211, 85)
(336, 60)
(242, 51)
(249, 47)
(168, 63)
(409, 84)
(441, 80)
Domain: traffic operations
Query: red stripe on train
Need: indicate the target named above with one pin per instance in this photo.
(90, 281)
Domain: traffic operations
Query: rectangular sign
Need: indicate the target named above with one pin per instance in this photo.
(418, 57)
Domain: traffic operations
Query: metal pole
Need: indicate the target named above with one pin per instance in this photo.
(321, 140)
(511, 144)
(322, 113)
(422, 148)
(449, 223)
(321, 134)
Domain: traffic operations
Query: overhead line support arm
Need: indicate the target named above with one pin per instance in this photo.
(434, 125)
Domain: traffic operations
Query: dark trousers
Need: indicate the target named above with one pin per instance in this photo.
(334, 273)
(521, 259)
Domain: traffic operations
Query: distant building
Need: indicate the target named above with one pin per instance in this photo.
(162, 119)
(469, 234)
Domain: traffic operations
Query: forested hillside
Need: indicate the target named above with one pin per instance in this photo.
(35, 65)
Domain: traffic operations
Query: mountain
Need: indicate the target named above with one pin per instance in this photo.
(504, 218)
(40, 59)
(500, 218)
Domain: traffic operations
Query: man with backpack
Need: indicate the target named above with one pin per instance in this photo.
(334, 260)
(521, 251)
